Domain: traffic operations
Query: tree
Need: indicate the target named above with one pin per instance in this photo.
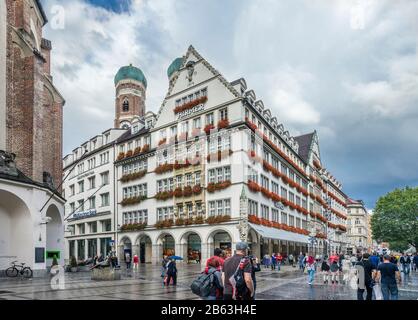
(395, 218)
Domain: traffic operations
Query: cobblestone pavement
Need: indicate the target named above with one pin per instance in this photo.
(288, 284)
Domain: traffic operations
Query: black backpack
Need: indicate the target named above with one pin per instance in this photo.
(203, 284)
(240, 286)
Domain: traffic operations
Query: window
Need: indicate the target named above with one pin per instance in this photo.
(291, 221)
(125, 105)
(165, 213)
(275, 215)
(92, 182)
(196, 123)
(284, 218)
(253, 208)
(80, 205)
(72, 190)
(210, 119)
(188, 179)
(197, 178)
(93, 227)
(105, 199)
(220, 174)
(106, 225)
(284, 193)
(72, 207)
(81, 228)
(81, 186)
(92, 202)
(252, 174)
(220, 207)
(264, 182)
(265, 212)
(173, 131)
(105, 178)
(223, 114)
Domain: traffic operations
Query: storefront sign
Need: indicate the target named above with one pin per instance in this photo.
(279, 205)
(85, 214)
(191, 111)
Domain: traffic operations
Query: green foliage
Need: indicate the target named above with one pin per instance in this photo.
(395, 218)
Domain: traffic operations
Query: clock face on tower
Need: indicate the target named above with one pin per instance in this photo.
(125, 125)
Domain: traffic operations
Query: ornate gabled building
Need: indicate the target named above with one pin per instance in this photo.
(214, 167)
(31, 207)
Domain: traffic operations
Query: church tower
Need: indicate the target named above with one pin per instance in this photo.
(131, 86)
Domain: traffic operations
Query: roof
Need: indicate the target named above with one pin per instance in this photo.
(174, 66)
(305, 142)
(22, 178)
(41, 9)
(128, 135)
(355, 202)
(130, 72)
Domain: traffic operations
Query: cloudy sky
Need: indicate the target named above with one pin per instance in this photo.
(348, 69)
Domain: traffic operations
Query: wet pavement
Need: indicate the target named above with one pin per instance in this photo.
(288, 284)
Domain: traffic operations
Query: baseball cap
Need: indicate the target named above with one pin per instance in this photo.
(241, 246)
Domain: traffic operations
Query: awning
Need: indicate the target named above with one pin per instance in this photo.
(276, 234)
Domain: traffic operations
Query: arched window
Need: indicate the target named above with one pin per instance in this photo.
(125, 105)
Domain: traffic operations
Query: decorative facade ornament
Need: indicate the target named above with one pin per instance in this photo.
(190, 70)
(7, 164)
(243, 223)
(48, 180)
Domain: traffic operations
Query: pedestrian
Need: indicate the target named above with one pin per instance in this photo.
(216, 290)
(238, 264)
(136, 262)
(164, 266)
(301, 262)
(388, 273)
(325, 270)
(217, 255)
(291, 260)
(415, 262)
(128, 261)
(279, 259)
(374, 260)
(310, 267)
(266, 261)
(405, 261)
(255, 267)
(334, 268)
(273, 261)
(353, 260)
(369, 274)
(171, 273)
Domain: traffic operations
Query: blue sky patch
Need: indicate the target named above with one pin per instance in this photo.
(117, 6)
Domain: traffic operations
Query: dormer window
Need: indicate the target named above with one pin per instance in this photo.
(125, 105)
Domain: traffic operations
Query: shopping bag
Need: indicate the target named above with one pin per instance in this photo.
(305, 270)
(377, 289)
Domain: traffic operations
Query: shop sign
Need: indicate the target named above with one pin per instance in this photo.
(279, 205)
(191, 111)
(84, 214)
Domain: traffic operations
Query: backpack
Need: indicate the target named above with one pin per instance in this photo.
(203, 284)
(239, 281)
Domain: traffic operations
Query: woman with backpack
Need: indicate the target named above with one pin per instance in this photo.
(325, 270)
(216, 289)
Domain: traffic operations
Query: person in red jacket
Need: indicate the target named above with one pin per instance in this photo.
(136, 262)
(279, 259)
(217, 255)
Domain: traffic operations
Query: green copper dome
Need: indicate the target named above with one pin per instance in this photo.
(174, 66)
(130, 72)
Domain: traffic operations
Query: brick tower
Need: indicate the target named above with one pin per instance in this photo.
(31, 119)
(131, 88)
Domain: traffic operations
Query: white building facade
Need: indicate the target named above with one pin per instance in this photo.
(215, 167)
(359, 233)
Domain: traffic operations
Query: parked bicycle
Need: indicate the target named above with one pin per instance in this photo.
(17, 269)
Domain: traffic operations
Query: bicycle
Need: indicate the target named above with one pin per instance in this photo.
(16, 269)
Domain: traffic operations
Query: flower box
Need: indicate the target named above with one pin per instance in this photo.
(190, 104)
(254, 187)
(208, 128)
(199, 220)
(137, 151)
(145, 148)
(164, 195)
(218, 219)
(212, 187)
(179, 222)
(162, 141)
(133, 176)
(178, 192)
(197, 189)
(222, 124)
(164, 224)
(188, 191)
(133, 200)
(164, 168)
(133, 227)
(121, 156)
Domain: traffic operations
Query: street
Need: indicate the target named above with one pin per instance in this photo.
(288, 284)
